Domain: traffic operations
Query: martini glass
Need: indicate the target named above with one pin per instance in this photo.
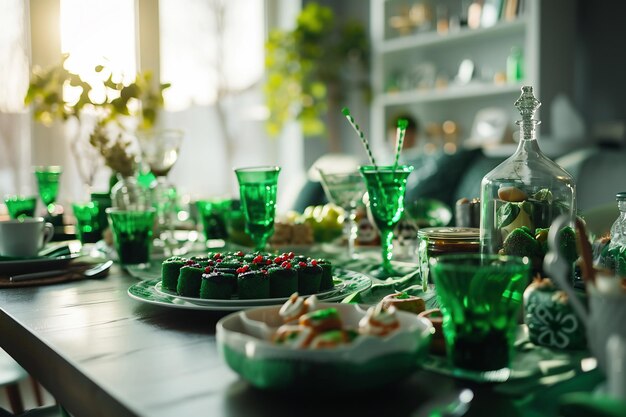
(385, 188)
(346, 190)
(159, 150)
(48, 184)
(257, 189)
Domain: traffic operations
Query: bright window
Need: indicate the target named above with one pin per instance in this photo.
(195, 34)
(99, 32)
(13, 56)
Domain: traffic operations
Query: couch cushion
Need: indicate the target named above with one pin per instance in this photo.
(438, 175)
(599, 173)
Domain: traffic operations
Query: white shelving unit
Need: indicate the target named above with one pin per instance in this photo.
(544, 31)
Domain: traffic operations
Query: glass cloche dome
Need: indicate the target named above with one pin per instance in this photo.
(524, 193)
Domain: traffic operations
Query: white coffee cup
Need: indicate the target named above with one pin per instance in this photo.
(24, 237)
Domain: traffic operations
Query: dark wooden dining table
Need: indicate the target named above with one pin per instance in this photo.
(101, 353)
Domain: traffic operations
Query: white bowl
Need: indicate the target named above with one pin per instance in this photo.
(244, 341)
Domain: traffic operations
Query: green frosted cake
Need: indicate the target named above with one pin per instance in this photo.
(253, 284)
(218, 285)
(252, 275)
(309, 277)
(189, 280)
(326, 283)
(228, 266)
(202, 260)
(283, 280)
(170, 268)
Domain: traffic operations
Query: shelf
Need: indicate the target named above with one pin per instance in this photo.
(434, 39)
(473, 90)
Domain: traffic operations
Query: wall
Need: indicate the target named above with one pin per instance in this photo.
(355, 101)
(600, 76)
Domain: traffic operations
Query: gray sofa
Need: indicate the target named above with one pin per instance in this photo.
(599, 172)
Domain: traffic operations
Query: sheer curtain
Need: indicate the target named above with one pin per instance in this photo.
(212, 54)
(15, 175)
(212, 51)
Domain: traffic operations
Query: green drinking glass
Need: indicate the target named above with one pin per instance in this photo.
(20, 206)
(48, 183)
(132, 234)
(257, 189)
(480, 297)
(89, 227)
(212, 217)
(385, 188)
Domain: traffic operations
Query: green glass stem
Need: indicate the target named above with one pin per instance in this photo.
(386, 236)
(259, 240)
(351, 231)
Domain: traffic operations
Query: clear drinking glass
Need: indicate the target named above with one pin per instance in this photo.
(385, 188)
(346, 190)
(257, 189)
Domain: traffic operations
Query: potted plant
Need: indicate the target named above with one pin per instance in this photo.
(309, 68)
(100, 124)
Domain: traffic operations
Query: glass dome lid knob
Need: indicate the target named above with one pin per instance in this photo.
(527, 104)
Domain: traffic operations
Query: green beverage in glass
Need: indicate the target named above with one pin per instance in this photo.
(257, 189)
(346, 190)
(480, 297)
(212, 216)
(132, 234)
(48, 183)
(385, 188)
(88, 225)
(20, 206)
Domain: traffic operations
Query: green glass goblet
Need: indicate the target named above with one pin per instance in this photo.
(20, 206)
(480, 297)
(257, 189)
(48, 183)
(385, 188)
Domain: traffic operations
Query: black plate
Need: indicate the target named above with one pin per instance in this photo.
(22, 266)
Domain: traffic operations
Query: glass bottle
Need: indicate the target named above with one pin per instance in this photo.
(526, 192)
(613, 256)
(515, 65)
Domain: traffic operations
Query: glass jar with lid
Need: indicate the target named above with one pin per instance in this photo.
(435, 241)
(524, 193)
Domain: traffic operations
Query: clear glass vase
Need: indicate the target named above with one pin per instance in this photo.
(524, 194)
(159, 151)
(128, 194)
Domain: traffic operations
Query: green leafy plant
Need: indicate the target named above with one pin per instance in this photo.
(309, 67)
(122, 104)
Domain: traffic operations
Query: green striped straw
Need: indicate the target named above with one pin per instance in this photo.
(346, 112)
(400, 132)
